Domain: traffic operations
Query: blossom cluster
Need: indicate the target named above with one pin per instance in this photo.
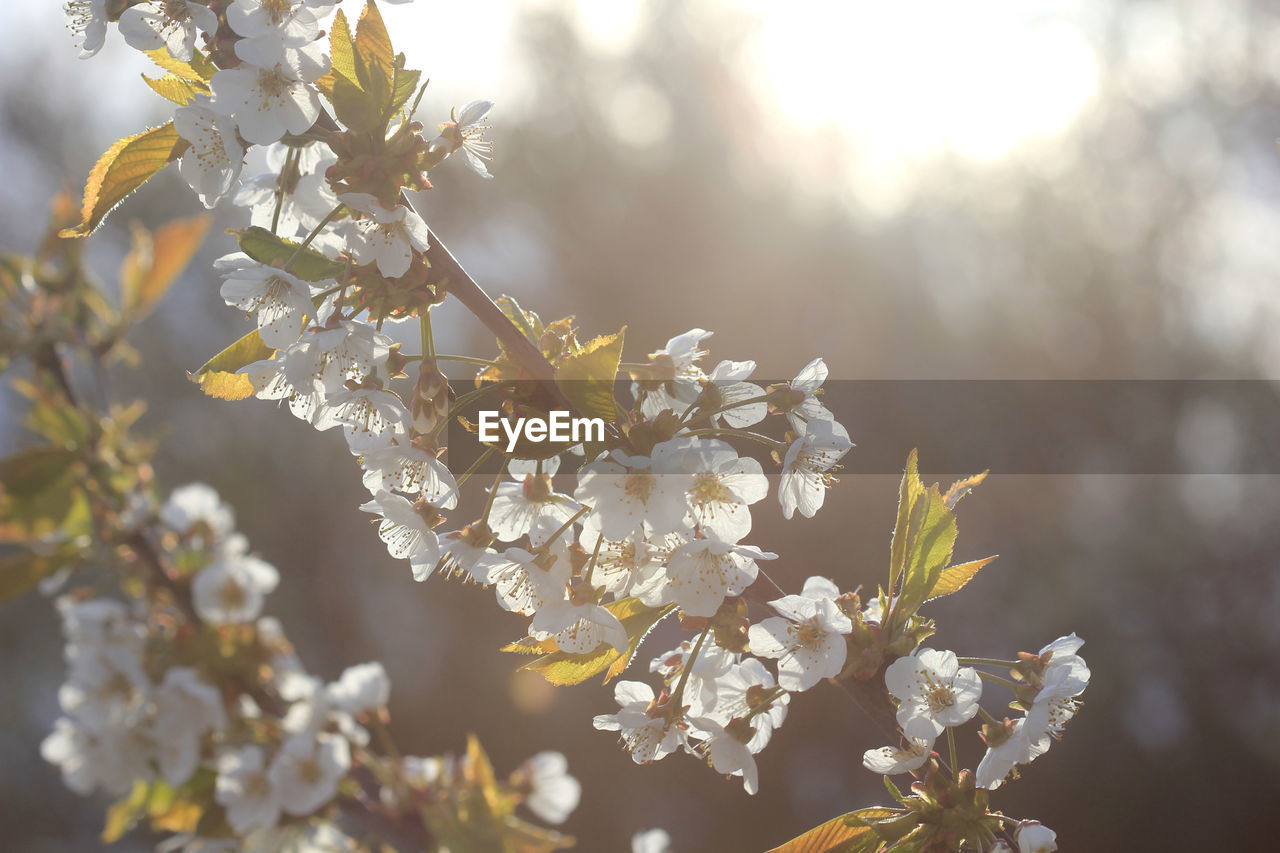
(656, 520)
(274, 751)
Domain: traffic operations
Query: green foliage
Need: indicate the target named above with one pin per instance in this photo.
(157, 260)
(850, 833)
(126, 165)
(924, 538)
(266, 248)
(587, 376)
(168, 809)
(217, 377)
(561, 668)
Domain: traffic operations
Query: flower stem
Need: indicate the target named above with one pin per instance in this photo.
(315, 232)
(997, 679)
(466, 475)
(554, 536)
(951, 748)
(1006, 664)
(428, 338)
(688, 667)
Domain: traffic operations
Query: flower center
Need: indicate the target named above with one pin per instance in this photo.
(707, 489)
(272, 83)
(639, 485)
(809, 633)
(230, 595)
(277, 10)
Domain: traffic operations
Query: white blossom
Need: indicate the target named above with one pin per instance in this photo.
(371, 418)
(293, 22)
(728, 754)
(806, 471)
(307, 769)
(186, 708)
(195, 510)
(271, 98)
(1034, 837)
(651, 841)
(553, 793)
(406, 532)
(230, 590)
(389, 235)
(626, 494)
(703, 572)
(211, 166)
(806, 408)
(361, 688)
(892, 760)
(721, 485)
(680, 380)
(245, 791)
(642, 727)
(933, 692)
(166, 23)
(412, 471)
(87, 20)
(280, 300)
(807, 638)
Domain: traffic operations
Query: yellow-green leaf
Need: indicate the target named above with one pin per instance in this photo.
(157, 260)
(406, 85)
(123, 814)
(845, 834)
(217, 377)
(953, 578)
(373, 47)
(198, 69)
(960, 488)
(127, 165)
(563, 669)
(587, 377)
(909, 491)
(266, 248)
(175, 88)
(342, 52)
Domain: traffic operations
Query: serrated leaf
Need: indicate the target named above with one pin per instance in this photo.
(353, 107)
(953, 578)
(908, 493)
(266, 248)
(406, 85)
(587, 377)
(376, 55)
(174, 88)
(157, 260)
(198, 69)
(931, 538)
(217, 377)
(342, 53)
(563, 669)
(960, 488)
(528, 322)
(127, 165)
(530, 646)
(845, 834)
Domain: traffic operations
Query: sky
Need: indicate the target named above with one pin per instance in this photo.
(978, 80)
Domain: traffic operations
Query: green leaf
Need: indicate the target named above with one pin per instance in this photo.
(266, 248)
(217, 377)
(908, 493)
(955, 577)
(39, 489)
(849, 833)
(528, 322)
(199, 69)
(123, 814)
(378, 57)
(175, 88)
(587, 377)
(158, 259)
(353, 107)
(342, 52)
(892, 789)
(20, 572)
(406, 85)
(127, 165)
(562, 669)
(931, 536)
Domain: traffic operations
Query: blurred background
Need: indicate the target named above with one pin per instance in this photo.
(1031, 189)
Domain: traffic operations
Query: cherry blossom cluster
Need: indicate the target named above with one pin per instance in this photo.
(139, 710)
(654, 522)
